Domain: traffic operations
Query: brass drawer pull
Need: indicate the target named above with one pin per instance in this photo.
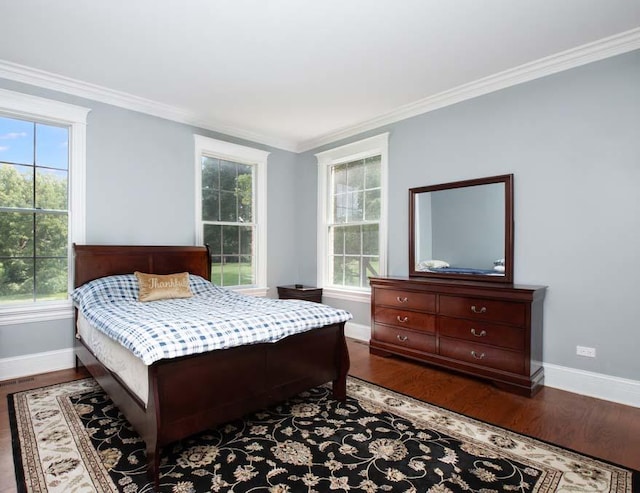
(476, 355)
(402, 338)
(481, 310)
(402, 300)
(481, 334)
(403, 319)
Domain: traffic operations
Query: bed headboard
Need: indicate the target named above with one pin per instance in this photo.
(95, 261)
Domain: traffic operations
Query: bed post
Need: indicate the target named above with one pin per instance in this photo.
(151, 436)
(206, 245)
(342, 365)
(153, 464)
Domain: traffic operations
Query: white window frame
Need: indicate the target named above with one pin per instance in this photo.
(372, 146)
(206, 146)
(33, 108)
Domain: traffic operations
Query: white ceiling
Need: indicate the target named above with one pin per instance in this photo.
(299, 73)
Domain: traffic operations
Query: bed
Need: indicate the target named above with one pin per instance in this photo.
(188, 394)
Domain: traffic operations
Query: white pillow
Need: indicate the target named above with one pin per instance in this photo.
(432, 264)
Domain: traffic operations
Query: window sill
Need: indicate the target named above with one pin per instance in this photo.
(40, 312)
(347, 295)
(253, 291)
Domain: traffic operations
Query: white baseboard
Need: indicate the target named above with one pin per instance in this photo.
(357, 331)
(598, 385)
(32, 364)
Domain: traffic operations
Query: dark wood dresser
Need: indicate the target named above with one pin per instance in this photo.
(489, 330)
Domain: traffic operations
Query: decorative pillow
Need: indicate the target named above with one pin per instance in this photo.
(163, 287)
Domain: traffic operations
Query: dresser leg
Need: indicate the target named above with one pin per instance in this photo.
(519, 389)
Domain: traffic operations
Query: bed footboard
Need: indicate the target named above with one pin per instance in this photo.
(191, 394)
(199, 392)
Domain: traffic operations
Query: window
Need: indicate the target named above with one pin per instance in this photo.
(352, 226)
(42, 147)
(231, 212)
(34, 213)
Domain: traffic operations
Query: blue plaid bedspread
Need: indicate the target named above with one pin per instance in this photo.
(214, 318)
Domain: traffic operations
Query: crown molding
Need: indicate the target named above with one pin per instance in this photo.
(47, 80)
(598, 50)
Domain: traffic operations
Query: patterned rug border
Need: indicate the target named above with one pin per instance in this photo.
(636, 472)
(20, 468)
(13, 427)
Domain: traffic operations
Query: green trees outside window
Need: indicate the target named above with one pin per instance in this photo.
(228, 220)
(34, 216)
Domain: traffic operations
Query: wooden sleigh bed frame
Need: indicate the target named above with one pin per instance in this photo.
(190, 394)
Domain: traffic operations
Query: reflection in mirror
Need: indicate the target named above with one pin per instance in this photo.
(462, 229)
(455, 216)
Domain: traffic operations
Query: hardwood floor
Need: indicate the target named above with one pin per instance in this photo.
(595, 427)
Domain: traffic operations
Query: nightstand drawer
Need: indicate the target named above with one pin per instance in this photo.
(405, 338)
(425, 322)
(406, 299)
(483, 309)
(482, 332)
(482, 355)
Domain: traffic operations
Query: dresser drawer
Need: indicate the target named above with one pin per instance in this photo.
(405, 299)
(405, 338)
(483, 309)
(480, 354)
(482, 332)
(425, 322)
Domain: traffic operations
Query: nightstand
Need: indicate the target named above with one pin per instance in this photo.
(300, 292)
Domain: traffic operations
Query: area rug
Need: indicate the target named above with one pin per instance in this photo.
(71, 438)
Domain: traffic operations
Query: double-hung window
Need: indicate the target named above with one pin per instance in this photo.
(42, 160)
(231, 212)
(352, 227)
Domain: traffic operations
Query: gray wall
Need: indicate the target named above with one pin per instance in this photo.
(570, 139)
(140, 190)
(572, 142)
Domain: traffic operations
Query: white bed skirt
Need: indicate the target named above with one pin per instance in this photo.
(129, 368)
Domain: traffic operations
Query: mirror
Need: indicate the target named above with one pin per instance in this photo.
(462, 230)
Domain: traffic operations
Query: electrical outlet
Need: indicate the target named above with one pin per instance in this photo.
(586, 351)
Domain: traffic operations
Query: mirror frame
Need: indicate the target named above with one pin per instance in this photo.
(507, 180)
